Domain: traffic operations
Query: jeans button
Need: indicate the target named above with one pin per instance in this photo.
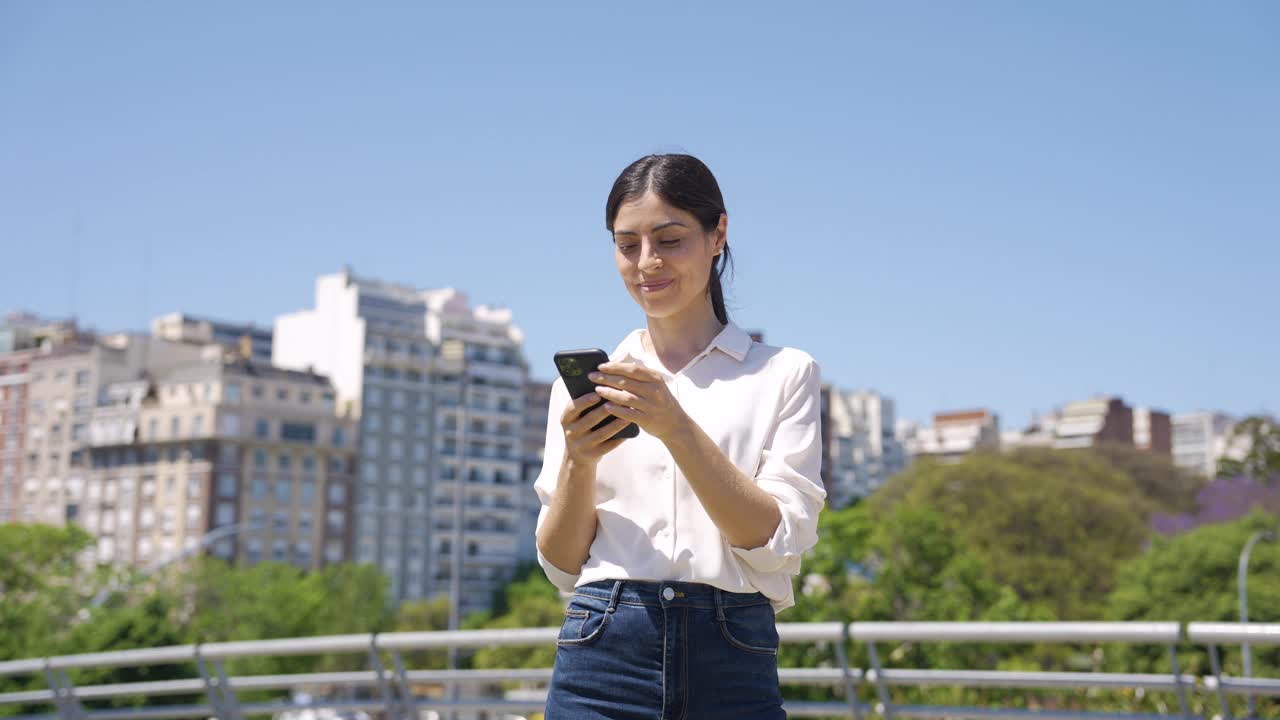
(669, 594)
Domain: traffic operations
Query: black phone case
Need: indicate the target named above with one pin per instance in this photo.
(574, 366)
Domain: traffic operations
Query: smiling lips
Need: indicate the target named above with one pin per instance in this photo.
(654, 285)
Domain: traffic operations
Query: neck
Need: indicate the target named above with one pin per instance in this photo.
(684, 334)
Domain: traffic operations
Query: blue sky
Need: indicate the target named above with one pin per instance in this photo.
(988, 204)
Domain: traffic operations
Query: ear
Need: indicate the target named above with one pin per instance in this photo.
(720, 236)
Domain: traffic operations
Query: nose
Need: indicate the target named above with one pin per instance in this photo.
(649, 259)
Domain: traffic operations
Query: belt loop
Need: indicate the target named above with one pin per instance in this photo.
(719, 604)
(613, 596)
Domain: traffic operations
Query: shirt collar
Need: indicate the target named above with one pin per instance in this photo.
(732, 341)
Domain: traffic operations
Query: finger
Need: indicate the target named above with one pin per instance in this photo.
(631, 370)
(622, 397)
(608, 446)
(583, 425)
(629, 414)
(607, 433)
(576, 406)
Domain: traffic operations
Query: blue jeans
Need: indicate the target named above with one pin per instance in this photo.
(638, 650)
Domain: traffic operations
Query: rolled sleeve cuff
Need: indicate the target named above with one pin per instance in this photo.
(563, 581)
(782, 551)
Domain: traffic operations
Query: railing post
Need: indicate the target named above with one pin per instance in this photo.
(222, 697)
(407, 700)
(850, 690)
(394, 710)
(882, 690)
(1177, 682)
(1216, 663)
(64, 694)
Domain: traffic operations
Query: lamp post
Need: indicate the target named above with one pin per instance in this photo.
(206, 540)
(1242, 578)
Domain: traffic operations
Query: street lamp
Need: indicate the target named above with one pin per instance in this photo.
(1242, 578)
(205, 541)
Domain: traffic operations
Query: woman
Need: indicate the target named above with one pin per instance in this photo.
(679, 544)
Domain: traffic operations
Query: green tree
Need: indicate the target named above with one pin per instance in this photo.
(1163, 486)
(1051, 525)
(530, 600)
(424, 616)
(43, 585)
(1192, 577)
(1262, 462)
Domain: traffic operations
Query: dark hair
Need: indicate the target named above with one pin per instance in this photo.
(682, 181)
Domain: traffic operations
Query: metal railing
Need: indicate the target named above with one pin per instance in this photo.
(387, 688)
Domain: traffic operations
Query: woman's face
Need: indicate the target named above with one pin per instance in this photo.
(663, 254)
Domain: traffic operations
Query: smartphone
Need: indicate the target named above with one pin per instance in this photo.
(574, 367)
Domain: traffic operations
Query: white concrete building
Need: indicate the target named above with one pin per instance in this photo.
(954, 435)
(438, 386)
(1202, 439)
(862, 448)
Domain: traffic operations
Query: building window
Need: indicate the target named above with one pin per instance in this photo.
(175, 425)
(197, 426)
(260, 459)
(337, 493)
(258, 488)
(371, 446)
(231, 393)
(397, 424)
(284, 462)
(304, 398)
(338, 437)
(284, 491)
(298, 432)
(262, 429)
(282, 394)
(258, 392)
(307, 490)
(226, 514)
(309, 464)
(226, 485)
(231, 425)
(82, 378)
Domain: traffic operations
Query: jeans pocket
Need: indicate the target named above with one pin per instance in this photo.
(751, 628)
(585, 620)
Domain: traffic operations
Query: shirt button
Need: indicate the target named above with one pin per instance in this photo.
(669, 594)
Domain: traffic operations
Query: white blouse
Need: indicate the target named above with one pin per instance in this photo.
(760, 404)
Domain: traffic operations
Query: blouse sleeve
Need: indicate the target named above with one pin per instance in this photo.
(791, 472)
(545, 485)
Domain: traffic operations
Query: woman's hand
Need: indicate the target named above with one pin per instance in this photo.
(638, 394)
(581, 443)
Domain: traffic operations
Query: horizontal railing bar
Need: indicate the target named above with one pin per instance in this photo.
(272, 682)
(1207, 633)
(25, 696)
(154, 687)
(467, 638)
(141, 656)
(163, 712)
(1024, 679)
(799, 632)
(29, 666)
(288, 646)
(817, 676)
(1240, 686)
(1017, 632)
(821, 709)
(942, 712)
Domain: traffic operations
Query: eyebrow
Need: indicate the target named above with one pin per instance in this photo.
(656, 228)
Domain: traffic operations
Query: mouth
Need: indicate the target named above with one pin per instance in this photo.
(654, 286)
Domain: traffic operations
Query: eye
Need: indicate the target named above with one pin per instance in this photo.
(626, 248)
(670, 242)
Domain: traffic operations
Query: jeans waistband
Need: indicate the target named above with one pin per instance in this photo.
(655, 593)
